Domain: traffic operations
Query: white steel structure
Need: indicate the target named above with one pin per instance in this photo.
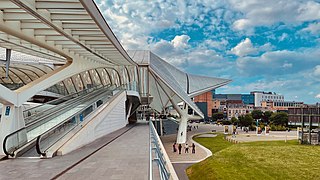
(168, 86)
(67, 44)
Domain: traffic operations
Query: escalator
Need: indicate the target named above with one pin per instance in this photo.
(48, 123)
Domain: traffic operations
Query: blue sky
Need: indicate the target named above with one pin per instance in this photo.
(267, 45)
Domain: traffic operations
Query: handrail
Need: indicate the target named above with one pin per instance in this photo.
(38, 146)
(121, 87)
(164, 174)
(64, 97)
(5, 142)
(150, 153)
(38, 142)
(17, 132)
(41, 118)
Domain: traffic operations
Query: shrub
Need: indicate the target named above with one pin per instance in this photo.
(277, 128)
(226, 122)
(252, 127)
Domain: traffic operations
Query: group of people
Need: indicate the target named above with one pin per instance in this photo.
(186, 148)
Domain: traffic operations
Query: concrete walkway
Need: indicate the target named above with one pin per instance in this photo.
(182, 161)
(201, 152)
(125, 157)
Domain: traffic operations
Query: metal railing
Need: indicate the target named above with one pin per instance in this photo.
(53, 135)
(44, 107)
(156, 154)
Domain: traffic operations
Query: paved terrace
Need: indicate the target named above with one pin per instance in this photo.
(273, 136)
(125, 157)
(182, 161)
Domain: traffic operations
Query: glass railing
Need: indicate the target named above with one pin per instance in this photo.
(19, 138)
(56, 133)
(14, 141)
(42, 108)
(132, 86)
(64, 112)
(158, 154)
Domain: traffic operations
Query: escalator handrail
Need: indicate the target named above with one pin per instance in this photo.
(5, 142)
(15, 132)
(76, 93)
(60, 108)
(38, 142)
(38, 149)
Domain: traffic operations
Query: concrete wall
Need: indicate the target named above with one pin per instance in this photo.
(109, 118)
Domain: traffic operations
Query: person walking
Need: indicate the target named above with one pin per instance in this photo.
(180, 147)
(193, 148)
(174, 147)
(186, 148)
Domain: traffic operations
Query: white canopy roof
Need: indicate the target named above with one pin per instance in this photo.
(59, 30)
(182, 84)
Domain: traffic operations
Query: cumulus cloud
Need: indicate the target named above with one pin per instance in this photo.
(135, 20)
(317, 96)
(180, 41)
(316, 71)
(168, 29)
(279, 62)
(219, 45)
(178, 52)
(246, 47)
(270, 12)
(313, 28)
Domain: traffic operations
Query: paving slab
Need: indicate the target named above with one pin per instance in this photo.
(125, 158)
(35, 168)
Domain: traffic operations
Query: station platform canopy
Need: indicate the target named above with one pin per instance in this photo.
(180, 85)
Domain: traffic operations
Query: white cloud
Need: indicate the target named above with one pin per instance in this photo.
(287, 65)
(244, 48)
(135, 20)
(220, 45)
(316, 71)
(181, 54)
(283, 37)
(180, 41)
(279, 62)
(309, 11)
(270, 12)
(317, 96)
(313, 28)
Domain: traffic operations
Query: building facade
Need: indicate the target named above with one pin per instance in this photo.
(260, 96)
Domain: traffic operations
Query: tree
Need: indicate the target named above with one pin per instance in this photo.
(234, 120)
(266, 116)
(256, 114)
(246, 120)
(279, 118)
(217, 116)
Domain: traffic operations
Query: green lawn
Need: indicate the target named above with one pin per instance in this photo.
(257, 160)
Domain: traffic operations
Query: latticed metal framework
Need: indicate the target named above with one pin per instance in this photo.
(59, 30)
(164, 82)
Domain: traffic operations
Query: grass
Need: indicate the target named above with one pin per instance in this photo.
(256, 160)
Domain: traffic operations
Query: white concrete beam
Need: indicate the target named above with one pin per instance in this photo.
(7, 96)
(52, 78)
